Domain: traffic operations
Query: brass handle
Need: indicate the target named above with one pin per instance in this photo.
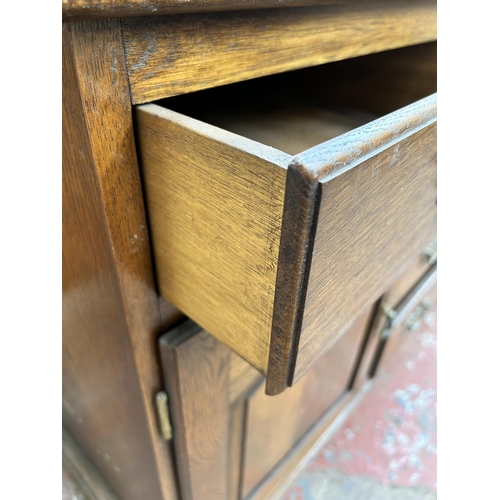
(415, 319)
(411, 310)
(430, 253)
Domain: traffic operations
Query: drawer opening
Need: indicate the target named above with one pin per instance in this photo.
(279, 207)
(298, 110)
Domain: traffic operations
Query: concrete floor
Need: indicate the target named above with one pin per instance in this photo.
(386, 450)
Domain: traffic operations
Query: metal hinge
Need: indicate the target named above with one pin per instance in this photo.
(161, 401)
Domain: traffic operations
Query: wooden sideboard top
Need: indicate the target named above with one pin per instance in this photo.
(77, 10)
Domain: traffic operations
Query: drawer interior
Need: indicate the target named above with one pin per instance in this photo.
(298, 110)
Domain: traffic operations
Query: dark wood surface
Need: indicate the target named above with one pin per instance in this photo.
(80, 479)
(243, 380)
(110, 310)
(378, 210)
(283, 474)
(389, 300)
(298, 230)
(376, 83)
(406, 282)
(196, 367)
(74, 10)
(368, 352)
(242, 377)
(222, 445)
(285, 125)
(170, 315)
(168, 56)
(274, 424)
(397, 329)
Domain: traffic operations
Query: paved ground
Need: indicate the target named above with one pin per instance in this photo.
(387, 449)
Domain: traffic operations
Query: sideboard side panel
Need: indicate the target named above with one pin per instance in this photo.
(110, 309)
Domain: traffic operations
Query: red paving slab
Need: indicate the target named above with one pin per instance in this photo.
(387, 448)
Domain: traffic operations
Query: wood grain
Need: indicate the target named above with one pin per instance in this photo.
(80, 479)
(377, 190)
(274, 424)
(401, 182)
(173, 55)
(196, 367)
(397, 331)
(404, 284)
(242, 377)
(283, 475)
(215, 231)
(234, 218)
(77, 10)
(389, 300)
(110, 311)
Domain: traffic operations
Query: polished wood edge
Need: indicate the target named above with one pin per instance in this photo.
(168, 354)
(332, 158)
(82, 471)
(366, 352)
(79, 10)
(282, 476)
(306, 174)
(171, 55)
(167, 344)
(235, 141)
(300, 217)
(196, 371)
(109, 256)
(179, 334)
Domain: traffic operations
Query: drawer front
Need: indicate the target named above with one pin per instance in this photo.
(276, 254)
(407, 282)
(387, 306)
(405, 318)
(363, 205)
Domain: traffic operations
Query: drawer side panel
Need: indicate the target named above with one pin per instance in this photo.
(215, 215)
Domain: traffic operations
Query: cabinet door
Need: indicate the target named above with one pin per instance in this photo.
(273, 424)
(228, 434)
(196, 367)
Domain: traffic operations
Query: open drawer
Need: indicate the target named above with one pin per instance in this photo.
(282, 207)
